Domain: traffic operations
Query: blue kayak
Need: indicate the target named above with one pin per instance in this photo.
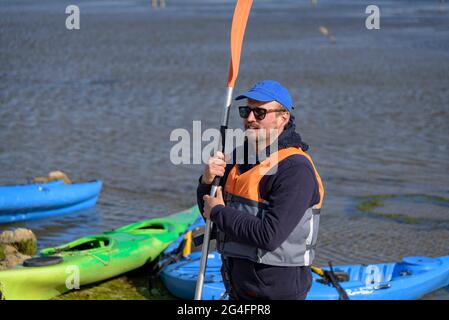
(38, 200)
(409, 279)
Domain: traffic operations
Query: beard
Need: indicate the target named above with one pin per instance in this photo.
(254, 133)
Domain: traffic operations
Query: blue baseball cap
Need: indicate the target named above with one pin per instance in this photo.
(269, 90)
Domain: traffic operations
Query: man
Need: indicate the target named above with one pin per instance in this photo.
(267, 225)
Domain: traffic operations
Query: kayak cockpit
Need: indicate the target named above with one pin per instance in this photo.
(416, 265)
(147, 227)
(95, 243)
(152, 226)
(91, 243)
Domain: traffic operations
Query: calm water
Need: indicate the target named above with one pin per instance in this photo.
(101, 102)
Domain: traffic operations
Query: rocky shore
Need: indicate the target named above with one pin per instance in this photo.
(16, 246)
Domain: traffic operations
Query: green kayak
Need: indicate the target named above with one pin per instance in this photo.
(93, 258)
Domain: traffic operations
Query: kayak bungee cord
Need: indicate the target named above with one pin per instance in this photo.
(239, 20)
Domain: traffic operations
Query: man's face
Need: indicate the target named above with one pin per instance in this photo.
(267, 129)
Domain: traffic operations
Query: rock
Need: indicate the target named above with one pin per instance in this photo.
(53, 176)
(12, 258)
(16, 246)
(23, 240)
(2, 252)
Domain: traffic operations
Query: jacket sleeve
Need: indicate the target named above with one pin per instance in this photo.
(204, 189)
(292, 192)
(201, 191)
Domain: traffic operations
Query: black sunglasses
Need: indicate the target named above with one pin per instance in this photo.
(259, 113)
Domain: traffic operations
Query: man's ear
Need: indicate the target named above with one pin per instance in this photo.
(285, 117)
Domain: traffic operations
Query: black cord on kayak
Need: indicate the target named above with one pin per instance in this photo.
(164, 260)
(334, 280)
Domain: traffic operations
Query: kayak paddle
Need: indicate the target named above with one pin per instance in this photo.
(332, 277)
(239, 20)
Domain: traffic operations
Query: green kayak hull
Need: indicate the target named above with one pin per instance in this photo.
(93, 258)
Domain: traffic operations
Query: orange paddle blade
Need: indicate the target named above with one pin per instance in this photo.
(241, 14)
